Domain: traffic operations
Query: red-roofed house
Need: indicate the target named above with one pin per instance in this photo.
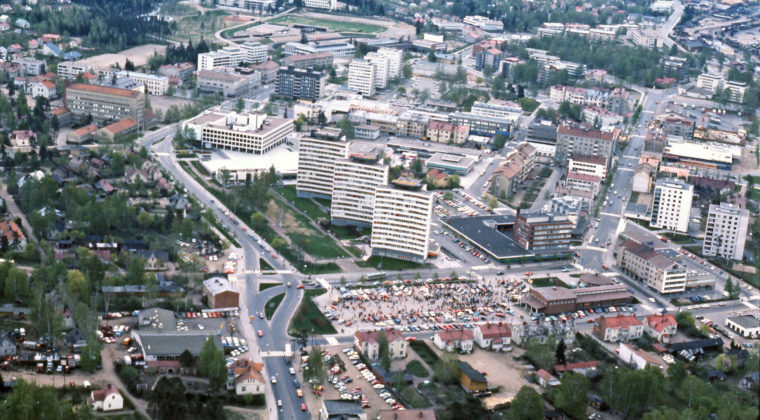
(440, 131)
(451, 340)
(493, 336)
(580, 367)
(246, 378)
(82, 134)
(44, 88)
(22, 138)
(662, 327)
(546, 379)
(366, 343)
(13, 234)
(119, 129)
(618, 328)
(439, 178)
(106, 399)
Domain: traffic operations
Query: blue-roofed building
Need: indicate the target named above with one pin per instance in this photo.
(51, 49)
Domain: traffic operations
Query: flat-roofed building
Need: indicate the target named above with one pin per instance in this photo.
(585, 140)
(395, 60)
(401, 221)
(451, 164)
(748, 326)
(654, 269)
(382, 64)
(221, 293)
(725, 231)
(317, 155)
(542, 231)
(306, 61)
(671, 204)
(69, 70)
(321, 4)
(154, 84)
(295, 83)
(556, 299)
(361, 77)
(589, 165)
(227, 84)
(244, 132)
(355, 181)
(105, 104)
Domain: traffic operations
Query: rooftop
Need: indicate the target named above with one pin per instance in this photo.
(745, 321)
(216, 285)
(487, 232)
(620, 321)
(471, 373)
(104, 90)
(121, 125)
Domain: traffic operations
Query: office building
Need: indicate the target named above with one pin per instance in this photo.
(482, 124)
(646, 38)
(355, 181)
(583, 139)
(229, 85)
(590, 165)
(245, 132)
(401, 220)
(542, 231)
(321, 4)
(508, 111)
(381, 63)
(395, 61)
(105, 104)
(556, 300)
(484, 23)
(725, 231)
(671, 204)
(154, 84)
(305, 61)
(676, 67)
(737, 91)
(69, 70)
(252, 5)
(652, 268)
(317, 155)
(361, 77)
(304, 84)
(337, 48)
(710, 82)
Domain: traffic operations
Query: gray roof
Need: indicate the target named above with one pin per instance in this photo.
(342, 409)
(216, 285)
(471, 373)
(745, 321)
(174, 343)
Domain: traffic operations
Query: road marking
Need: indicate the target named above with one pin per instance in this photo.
(624, 169)
(481, 267)
(638, 135)
(272, 354)
(331, 340)
(749, 305)
(596, 248)
(604, 213)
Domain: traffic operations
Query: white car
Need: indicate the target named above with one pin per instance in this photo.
(292, 371)
(274, 380)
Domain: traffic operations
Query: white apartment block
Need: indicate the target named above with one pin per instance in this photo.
(505, 111)
(646, 38)
(590, 165)
(710, 82)
(69, 70)
(317, 156)
(725, 231)
(353, 192)
(401, 221)
(654, 269)
(321, 4)
(381, 68)
(395, 61)
(484, 23)
(737, 90)
(671, 205)
(361, 77)
(246, 132)
(231, 56)
(154, 84)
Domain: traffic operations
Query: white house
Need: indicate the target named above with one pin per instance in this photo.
(366, 343)
(662, 327)
(44, 88)
(492, 336)
(637, 357)
(106, 399)
(461, 340)
(546, 379)
(249, 382)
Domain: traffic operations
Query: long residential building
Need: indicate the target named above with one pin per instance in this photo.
(154, 84)
(671, 204)
(305, 61)
(227, 84)
(653, 268)
(69, 70)
(296, 83)
(725, 231)
(317, 155)
(105, 104)
(401, 220)
(245, 132)
(583, 139)
(355, 182)
(321, 4)
(231, 56)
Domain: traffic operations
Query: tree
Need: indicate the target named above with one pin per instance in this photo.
(240, 105)
(186, 358)
(448, 195)
(677, 372)
(446, 369)
(347, 128)
(144, 219)
(733, 290)
(499, 141)
(689, 389)
(572, 393)
(77, 285)
(560, 353)
(321, 118)
(541, 355)
(211, 364)
(384, 350)
(685, 321)
(167, 401)
(527, 405)
(493, 202)
(315, 367)
(90, 356)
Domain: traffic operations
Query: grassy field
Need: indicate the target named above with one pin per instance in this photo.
(230, 32)
(197, 26)
(416, 368)
(333, 25)
(265, 286)
(388, 264)
(264, 265)
(298, 227)
(306, 205)
(272, 305)
(309, 317)
(425, 352)
(528, 104)
(414, 398)
(198, 167)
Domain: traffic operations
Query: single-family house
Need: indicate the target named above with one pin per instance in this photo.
(155, 260)
(750, 380)
(471, 379)
(638, 358)
(546, 379)
(367, 344)
(451, 340)
(438, 178)
(493, 336)
(44, 88)
(106, 399)
(22, 138)
(662, 327)
(135, 175)
(245, 377)
(618, 328)
(13, 235)
(584, 368)
(7, 345)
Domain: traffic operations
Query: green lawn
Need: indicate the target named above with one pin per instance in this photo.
(349, 232)
(317, 244)
(307, 206)
(309, 317)
(425, 352)
(414, 398)
(388, 264)
(272, 305)
(230, 32)
(678, 238)
(201, 170)
(333, 25)
(547, 281)
(337, 80)
(416, 368)
(265, 286)
(265, 265)
(528, 104)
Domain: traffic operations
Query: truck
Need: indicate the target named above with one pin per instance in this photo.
(288, 352)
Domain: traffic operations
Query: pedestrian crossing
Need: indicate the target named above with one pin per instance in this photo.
(273, 354)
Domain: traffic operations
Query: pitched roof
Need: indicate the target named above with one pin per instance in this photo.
(455, 335)
(10, 230)
(649, 254)
(545, 375)
(86, 130)
(597, 160)
(427, 414)
(620, 321)
(105, 90)
(582, 177)
(101, 394)
(495, 330)
(575, 366)
(471, 373)
(588, 132)
(391, 334)
(121, 126)
(660, 322)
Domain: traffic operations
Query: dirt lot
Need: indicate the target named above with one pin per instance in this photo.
(137, 55)
(164, 102)
(508, 374)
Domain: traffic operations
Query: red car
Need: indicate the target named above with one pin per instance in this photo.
(300, 286)
(261, 333)
(303, 406)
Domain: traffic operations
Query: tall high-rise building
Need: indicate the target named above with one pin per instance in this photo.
(542, 231)
(381, 68)
(355, 182)
(725, 231)
(317, 155)
(671, 204)
(361, 77)
(395, 60)
(401, 220)
(293, 83)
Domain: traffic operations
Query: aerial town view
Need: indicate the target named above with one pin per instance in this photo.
(380, 209)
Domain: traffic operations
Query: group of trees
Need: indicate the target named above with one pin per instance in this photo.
(29, 401)
(182, 53)
(169, 400)
(212, 365)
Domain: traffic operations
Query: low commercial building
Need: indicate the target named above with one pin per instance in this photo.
(654, 269)
(227, 84)
(484, 23)
(748, 326)
(244, 132)
(557, 300)
(471, 379)
(618, 328)
(154, 84)
(451, 164)
(341, 410)
(482, 124)
(220, 293)
(337, 48)
(367, 343)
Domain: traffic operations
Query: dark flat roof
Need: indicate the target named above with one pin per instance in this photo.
(481, 231)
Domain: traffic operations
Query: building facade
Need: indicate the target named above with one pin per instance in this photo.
(245, 132)
(105, 104)
(355, 181)
(317, 155)
(401, 221)
(361, 77)
(585, 140)
(295, 83)
(542, 231)
(652, 268)
(725, 231)
(671, 204)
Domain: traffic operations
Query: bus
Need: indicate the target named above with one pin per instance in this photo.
(376, 276)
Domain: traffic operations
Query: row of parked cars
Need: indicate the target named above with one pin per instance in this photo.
(214, 314)
(370, 377)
